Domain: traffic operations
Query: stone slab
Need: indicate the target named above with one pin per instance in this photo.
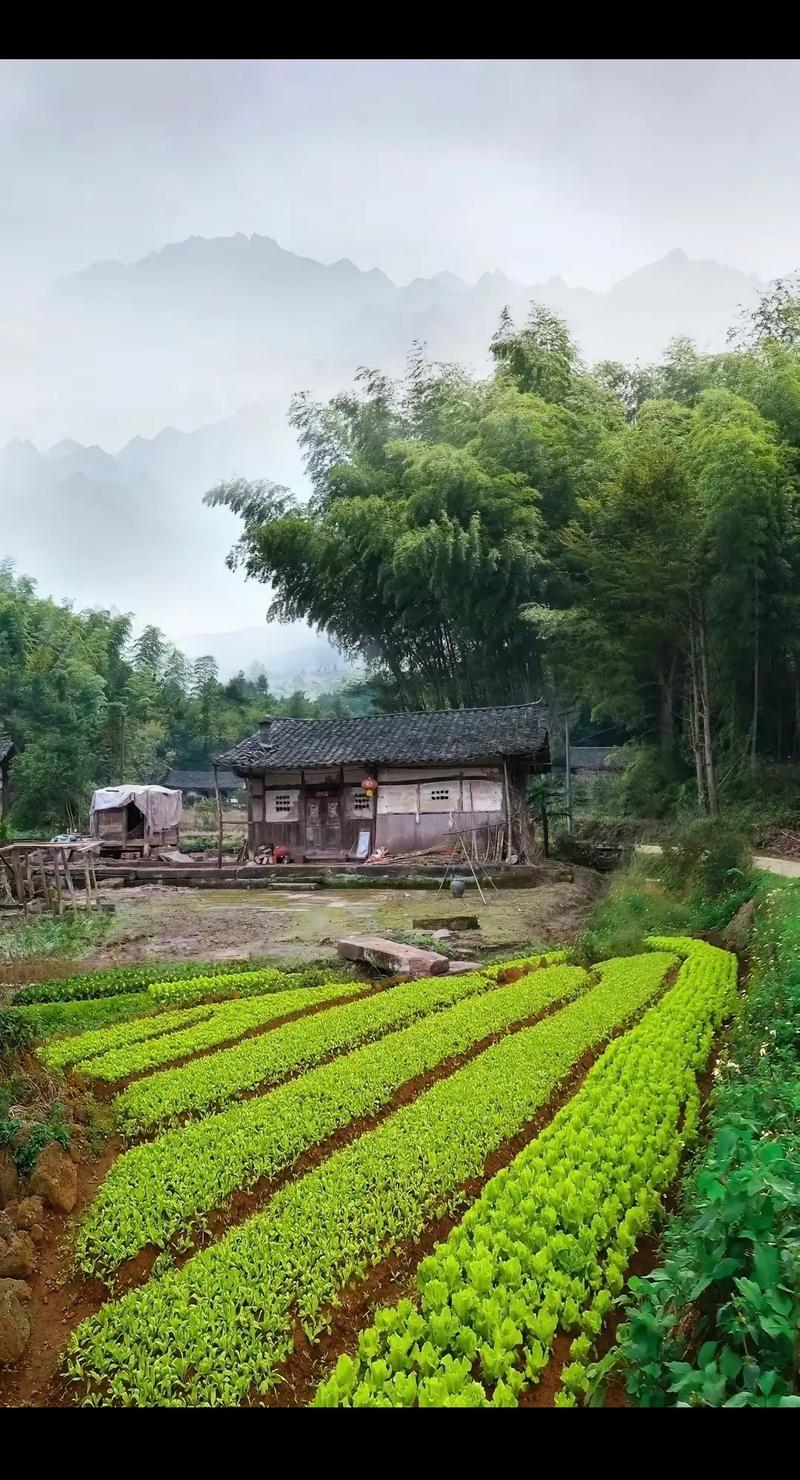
(446, 922)
(388, 956)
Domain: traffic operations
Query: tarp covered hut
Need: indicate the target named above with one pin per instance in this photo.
(340, 788)
(136, 817)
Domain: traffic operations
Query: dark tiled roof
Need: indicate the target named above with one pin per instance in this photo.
(594, 758)
(7, 748)
(448, 735)
(200, 780)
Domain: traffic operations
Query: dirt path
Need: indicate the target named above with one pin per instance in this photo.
(788, 867)
(162, 922)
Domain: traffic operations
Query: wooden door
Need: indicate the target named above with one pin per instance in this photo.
(323, 821)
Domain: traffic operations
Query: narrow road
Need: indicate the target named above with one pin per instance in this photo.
(788, 867)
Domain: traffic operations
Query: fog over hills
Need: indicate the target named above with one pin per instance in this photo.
(101, 492)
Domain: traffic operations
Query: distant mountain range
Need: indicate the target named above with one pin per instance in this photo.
(263, 302)
(217, 335)
(292, 657)
(129, 531)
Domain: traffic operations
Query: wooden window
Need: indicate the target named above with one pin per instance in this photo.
(439, 796)
(281, 806)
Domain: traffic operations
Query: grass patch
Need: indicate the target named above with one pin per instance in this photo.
(696, 884)
(29, 952)
(716, 1325)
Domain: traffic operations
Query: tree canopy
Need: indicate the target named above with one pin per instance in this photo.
(623, 539)
(87, 705)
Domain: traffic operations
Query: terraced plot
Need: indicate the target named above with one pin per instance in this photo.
(215, 1331)
(303, 1153)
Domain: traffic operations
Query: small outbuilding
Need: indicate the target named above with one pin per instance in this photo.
(591, 761)
(7, 752)
(200, 783)
(136, 818)
(398, 783)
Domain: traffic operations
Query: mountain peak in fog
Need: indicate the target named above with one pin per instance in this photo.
(215, 334)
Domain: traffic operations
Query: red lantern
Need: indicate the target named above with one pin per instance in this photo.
(369, 785)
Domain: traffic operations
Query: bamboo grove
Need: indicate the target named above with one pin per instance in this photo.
(623, 539)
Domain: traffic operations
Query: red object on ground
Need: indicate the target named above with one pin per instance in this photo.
(280, 854)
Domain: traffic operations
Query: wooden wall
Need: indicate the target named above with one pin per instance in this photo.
(415, 806)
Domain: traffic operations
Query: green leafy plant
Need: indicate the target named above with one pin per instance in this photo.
(547, 1244)
(115, 980)
(716, 1325)
(216, 1329)
(157, 1191)
(16, 1036)
(198, 1087)
(132, 1048)
(36, 1133)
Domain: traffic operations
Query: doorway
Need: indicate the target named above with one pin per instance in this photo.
(323, 820)
(134, 821)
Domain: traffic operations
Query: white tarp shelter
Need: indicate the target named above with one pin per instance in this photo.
(160, 806)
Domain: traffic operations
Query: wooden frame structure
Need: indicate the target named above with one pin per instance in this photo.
(49, 871)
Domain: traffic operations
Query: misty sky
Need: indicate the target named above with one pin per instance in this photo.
(582, 168)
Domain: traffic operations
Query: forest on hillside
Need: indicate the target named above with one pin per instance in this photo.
(88, 705)
(624, 540)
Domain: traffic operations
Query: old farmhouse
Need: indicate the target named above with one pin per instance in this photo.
(399, 783)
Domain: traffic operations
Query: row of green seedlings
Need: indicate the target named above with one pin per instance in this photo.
(215, 1331)
(84, 1015)
(157, 1194)
(527, 963)
(716, 1324)
(148, 1042)
(113, 981)
(546, 1247)
(195, 1088)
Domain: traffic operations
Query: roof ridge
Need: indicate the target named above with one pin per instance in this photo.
(402, 737)
(308, 719)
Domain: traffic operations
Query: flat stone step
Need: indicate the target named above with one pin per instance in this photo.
(460, 968)
(388, 956)
(446, 922)
(301, 886)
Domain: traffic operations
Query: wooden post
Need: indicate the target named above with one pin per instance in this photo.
(219, 817)
(507, 789)
(57, 880)
(45, 890)
(568, 773)
(21, 896)
(90, 901)
(64, 854)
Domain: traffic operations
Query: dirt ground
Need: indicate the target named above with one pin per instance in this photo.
(162, 921)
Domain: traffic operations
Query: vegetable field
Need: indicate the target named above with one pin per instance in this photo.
(285, 1142)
